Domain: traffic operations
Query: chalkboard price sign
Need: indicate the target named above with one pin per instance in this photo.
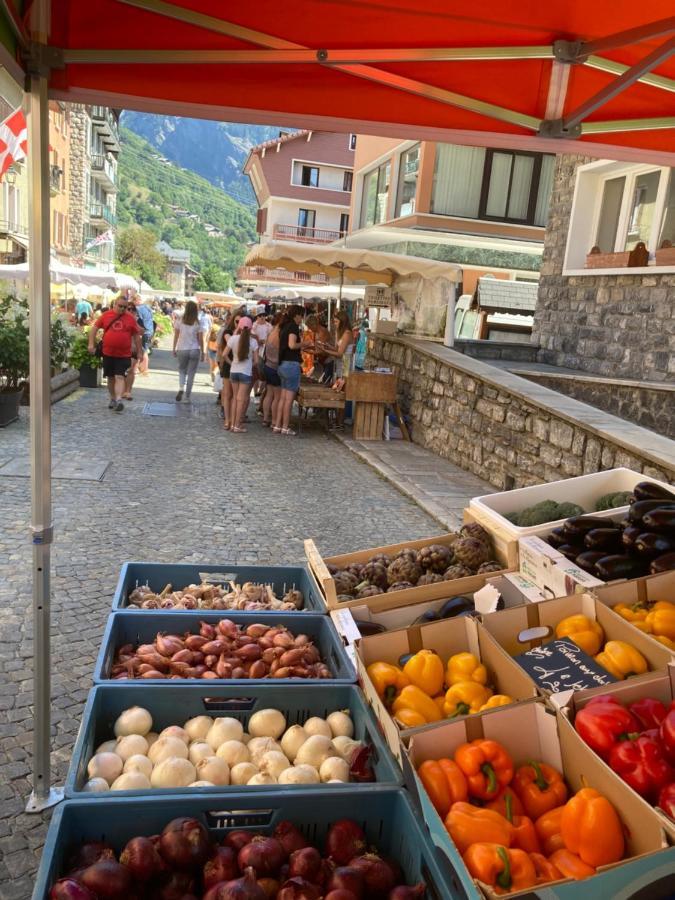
(561, 665)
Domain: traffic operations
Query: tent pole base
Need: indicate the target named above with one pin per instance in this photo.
(37, 804)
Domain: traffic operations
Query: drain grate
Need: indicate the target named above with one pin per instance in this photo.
(168, 410)
(63, 468)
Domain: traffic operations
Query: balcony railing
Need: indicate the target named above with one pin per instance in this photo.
(107, 123)
(260, 273)
(305, 235)
(101, 165)
(12, 226)
(101, 212)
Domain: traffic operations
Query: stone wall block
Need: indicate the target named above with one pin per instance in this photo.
(561, 434)
(592, 455)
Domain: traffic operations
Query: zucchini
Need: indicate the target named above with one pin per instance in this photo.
(652, 545)
(608, 539)
(647, 490)
(665, 563)
(617, 565)
(661, 519)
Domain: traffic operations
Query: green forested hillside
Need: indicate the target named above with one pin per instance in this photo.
(160, 196)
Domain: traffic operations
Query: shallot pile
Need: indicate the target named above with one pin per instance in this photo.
(248, 596)
(184, 862)
(223, 650)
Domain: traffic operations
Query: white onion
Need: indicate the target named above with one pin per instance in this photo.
(340, 724)
(315, 725)
(199, 750)
(131, 781)
(303, 774)
(166, 747)
(214, 769)
(95, 785)
(293, 740)
(262, 778)
(105, 765)
(346, 747)
(177, 732)
(134, 720)
(151, 737)
(107, 747)
(246, 737)
(258, 747)
(138, 763)
(315, 750)
(334, 769)
(173, 772)
(267, 723)
(274, 762)
(198, 727)
(225, 729)
(131, 745)
(233, 752)
(242, 773)
(201, 784)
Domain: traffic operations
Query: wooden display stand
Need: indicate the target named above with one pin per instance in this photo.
(371, 392)
(318, 396)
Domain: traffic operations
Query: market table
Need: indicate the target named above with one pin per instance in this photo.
(318, 396)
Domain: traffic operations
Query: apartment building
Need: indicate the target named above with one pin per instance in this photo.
(179, 273)
(59, 177)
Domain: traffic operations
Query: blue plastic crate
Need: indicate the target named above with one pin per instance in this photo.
(390, 822)
(142, 627)
(171, 705)
(179, 575)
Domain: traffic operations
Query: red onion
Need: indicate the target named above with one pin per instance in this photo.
(345, 840)
(340, 894)
(108, 880)
(245, 888)
(406, 893)
(347, 878)
(238, 839)
(142, 859)
(299, 889)
(90, 853)
(378, 875)
(221, 867)
(69, 889)
(176, 886)
(264, 855)
(270, 886)
(185, 843)
(360, 769)
(306, 863)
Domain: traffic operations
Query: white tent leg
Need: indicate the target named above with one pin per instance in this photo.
(449, 336)
(43, 794)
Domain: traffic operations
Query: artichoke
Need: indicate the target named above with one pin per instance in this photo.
(405, 552)
(430, 578)
(403, 568)
(471, 552)
(456, 571)
(368, 590)
(435, 558)
(342, 598)
(345, 582)
(474, 530)
(381, 558)
(355, 569)
(375, 573)
(490, 566)
(400, 586)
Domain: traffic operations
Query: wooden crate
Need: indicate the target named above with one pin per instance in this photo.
(318, 396)
(371, 387)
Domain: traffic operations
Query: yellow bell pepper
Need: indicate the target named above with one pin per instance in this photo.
(408, 718)
(412, 698)
(662, 639)
(662, 621)
(631, 612)
(585, 632)
(387, 680)
(496, 700)
(622, 660)
(439, 700)
(662, 604)
(464, 698)
(425, 671)
(465, 667)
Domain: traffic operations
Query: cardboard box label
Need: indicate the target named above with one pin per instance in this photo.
(563, 666)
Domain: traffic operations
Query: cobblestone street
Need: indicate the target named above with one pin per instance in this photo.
(179, 490)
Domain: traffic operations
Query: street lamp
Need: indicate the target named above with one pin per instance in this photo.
(10, 176)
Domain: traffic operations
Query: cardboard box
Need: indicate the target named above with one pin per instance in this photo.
(515, 589)
(443, 590)
(648, 589)
(538, 621)
(531, 731)
(446, 637)
(551, 571)
(659, 685)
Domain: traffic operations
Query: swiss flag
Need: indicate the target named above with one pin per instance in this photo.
(13, 140)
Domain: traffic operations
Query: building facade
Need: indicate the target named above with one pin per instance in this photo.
(59, 179)
(179, 273)
(14, 187)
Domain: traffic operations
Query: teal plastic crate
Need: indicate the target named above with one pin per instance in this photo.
(179, 575)
(171, 705)
(142, 627)
(390, 823)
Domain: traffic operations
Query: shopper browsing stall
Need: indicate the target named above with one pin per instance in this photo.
(290, 349)
(242, 352)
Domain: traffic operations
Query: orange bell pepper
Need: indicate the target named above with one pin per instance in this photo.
(545, 869)
(540, 788)
(487, 766)
(499, 803)
(524, 835)
(548, 830)
(591, 828)
(467, 825)
(570, 865)
(445, 783)
(502, 869)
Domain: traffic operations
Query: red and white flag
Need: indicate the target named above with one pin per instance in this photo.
(13, 140)
(106, 238)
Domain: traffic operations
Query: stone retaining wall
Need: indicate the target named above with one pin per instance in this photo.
(493, 431)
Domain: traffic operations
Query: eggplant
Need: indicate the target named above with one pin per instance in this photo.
(454, 606)
(629, 536)
(607, 539)
(571, 551)
(637, 510)
(661, 519)
(404, 657)
(647, 490)
(474, 614)
(588, 559)
(557, 537)
(368, 628)
(653, 545)
(429, 616)
(665, 563)
(618, 565)
(575, 528)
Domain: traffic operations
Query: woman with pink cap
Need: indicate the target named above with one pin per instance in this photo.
(242, 353)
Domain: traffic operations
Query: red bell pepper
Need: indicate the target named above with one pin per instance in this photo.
(666, 800)
(602, 722)
(667, 733)
(642, 765)
(649, 712)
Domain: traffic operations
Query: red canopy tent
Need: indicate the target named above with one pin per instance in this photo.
(593, 77)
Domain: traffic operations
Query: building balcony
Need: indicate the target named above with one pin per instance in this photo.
(101, 214)
(260, 273)
(104, 171)
(305, 235)
(55, 180)
(106, 123)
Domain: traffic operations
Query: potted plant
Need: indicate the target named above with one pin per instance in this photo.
(14, 357)
(88, 363)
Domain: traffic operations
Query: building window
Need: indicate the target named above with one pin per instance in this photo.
(352, 142)
(310, 176)
(344, 223)
(668, 228)
(306, 219)
(375, 195)
(409, 166)
(347, 181)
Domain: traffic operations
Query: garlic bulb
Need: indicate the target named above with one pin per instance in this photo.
(302, 774)
(166, 747)
(105, 765)
(175, 771)
(334, 769)
(315, 725)
(96, 785)
(242, 773)
(340, 724)
(130, 781)
(214, 769)
(198, 727)
(293, 740)
(315, 750)
(274, 762)
(225, 729)
(131, 745)
(267, 723)
(138, 763)
(199, 750)
(134, 720)
(233, 752)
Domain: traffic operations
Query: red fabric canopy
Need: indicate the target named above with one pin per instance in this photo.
(309, 94)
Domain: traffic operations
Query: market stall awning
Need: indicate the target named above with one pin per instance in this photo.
(62, 274)
(367, 266)
(597, 74)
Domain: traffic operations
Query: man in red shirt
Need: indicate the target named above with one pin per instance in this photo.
(121, 338)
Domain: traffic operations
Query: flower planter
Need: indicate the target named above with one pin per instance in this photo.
(9, 406)
(90, 378)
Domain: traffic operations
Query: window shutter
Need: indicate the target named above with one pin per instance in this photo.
(261, 221)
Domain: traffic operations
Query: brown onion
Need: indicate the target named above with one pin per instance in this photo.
(291, 657)
(257, 630)
(184, 656)
(249, 651)
(207, 630)
(153, 674)
(168, 644)
(223, 669)
(208, 674)
(258, 669)
(214, 647)
(195, 641)
(284, 640)
(228, 628)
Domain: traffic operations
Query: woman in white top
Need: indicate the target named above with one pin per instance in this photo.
(188, 346)
(242, 352)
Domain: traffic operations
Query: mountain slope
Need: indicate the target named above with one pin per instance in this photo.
(214, 150)
(183, 209)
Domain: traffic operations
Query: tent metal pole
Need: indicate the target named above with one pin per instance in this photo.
(449, 336)
(43, 795)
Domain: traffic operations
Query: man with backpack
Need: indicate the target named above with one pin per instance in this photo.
(121, 340)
